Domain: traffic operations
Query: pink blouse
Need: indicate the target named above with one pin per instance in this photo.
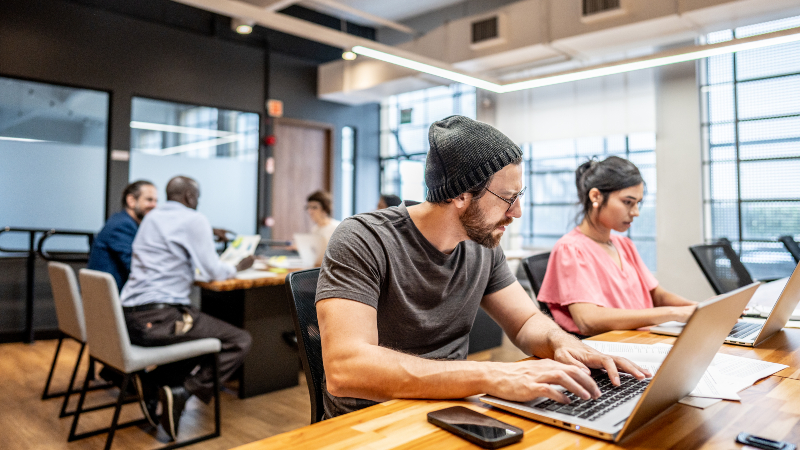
(580, 271)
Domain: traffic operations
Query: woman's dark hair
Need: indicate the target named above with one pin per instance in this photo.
(612, 174)
(324, 199)
(391, 200)
(134, 189)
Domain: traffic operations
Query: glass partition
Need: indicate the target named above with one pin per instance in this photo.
(216, 147)
(53, 147)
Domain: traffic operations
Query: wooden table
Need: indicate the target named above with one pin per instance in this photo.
(770, 408)
(261, 307)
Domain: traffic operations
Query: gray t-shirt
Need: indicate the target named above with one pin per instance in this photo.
(426, 300)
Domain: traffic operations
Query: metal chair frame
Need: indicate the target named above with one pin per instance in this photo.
(301, 331)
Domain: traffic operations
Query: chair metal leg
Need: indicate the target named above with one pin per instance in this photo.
(121, 399)
(217, 418)
(69, 391)
(79, 408)
(115, 420)
(46, 394)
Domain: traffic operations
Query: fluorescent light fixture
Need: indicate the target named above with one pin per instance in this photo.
(242, 26)
(427, 68)
(657, 60)
(349, 56)
(179, 129)
(15, 139)
(193, 146)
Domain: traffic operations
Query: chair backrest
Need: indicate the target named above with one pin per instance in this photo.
(792, 246)
(67, 298)
(535, 267)
(302, 289)
(721, 266)
(106, 332)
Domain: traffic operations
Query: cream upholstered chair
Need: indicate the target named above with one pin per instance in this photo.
(69, 311)
(107, 336)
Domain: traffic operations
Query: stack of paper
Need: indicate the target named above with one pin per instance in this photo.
(725, 376)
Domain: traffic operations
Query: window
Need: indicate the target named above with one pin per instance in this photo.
(348, 171)
(216, 147)
(405, 120)
(551, 201)
(751, 161)
(53, 156)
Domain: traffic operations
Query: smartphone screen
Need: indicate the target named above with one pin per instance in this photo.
(475, 427)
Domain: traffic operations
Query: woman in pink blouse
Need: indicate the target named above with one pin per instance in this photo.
(596, 281)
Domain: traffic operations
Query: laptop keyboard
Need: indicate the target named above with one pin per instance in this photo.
(742, 329)
(611, 397)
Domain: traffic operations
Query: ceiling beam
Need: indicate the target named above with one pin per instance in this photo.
(365, 15)
(311, 31)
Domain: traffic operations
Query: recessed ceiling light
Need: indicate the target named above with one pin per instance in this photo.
(349, 56)
(242, 26)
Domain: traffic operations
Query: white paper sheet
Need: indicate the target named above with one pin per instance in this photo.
(725, 376)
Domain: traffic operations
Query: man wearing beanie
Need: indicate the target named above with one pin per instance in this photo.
(399, 289)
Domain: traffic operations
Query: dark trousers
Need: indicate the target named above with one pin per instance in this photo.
(156, 327)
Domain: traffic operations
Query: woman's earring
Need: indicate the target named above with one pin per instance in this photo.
(595, 204)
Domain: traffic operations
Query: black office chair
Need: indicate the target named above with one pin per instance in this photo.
(792, 246)
(721, 266)
(535, 267)
(302, 288)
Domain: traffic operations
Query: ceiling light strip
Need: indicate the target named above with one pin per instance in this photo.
(427, 68)
(691, 54)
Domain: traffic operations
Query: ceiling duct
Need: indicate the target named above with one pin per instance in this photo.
(488, 31)
(591, 7)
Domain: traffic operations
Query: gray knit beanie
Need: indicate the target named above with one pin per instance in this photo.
(463, 154)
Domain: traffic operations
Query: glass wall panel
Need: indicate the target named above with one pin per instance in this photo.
(53, 153)
(752, 192)
(216, 147)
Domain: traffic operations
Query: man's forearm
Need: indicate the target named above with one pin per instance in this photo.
(540, 336)
(400, 375)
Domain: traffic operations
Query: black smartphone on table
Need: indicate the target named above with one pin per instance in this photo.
(763, 443)
(475, 427)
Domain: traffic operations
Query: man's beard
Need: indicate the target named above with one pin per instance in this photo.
(474, 222)
(139, 213)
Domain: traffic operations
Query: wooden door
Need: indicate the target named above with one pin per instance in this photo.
(302, 155)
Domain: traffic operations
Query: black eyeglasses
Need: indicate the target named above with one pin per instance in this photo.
(511, 200)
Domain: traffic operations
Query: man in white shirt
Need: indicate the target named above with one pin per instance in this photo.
(174, 247)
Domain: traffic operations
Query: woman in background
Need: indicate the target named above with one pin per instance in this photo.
(319, 207)
(596, 281)
(388, 200)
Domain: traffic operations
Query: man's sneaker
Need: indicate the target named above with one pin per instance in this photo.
(173, 400)
(148, 399)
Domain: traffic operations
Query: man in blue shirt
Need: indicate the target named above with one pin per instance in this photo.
(174, 247)
(111, 249)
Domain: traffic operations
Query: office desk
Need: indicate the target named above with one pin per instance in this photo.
(770, 408)
(782, 348)
(261, 307)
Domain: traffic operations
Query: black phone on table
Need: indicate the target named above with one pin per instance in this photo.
(764, 443)
(475, 427)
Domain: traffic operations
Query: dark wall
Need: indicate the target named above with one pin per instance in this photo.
(294, 81)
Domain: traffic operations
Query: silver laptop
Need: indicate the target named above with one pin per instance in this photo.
(750, 334)
(307, 247)
(622, 410)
